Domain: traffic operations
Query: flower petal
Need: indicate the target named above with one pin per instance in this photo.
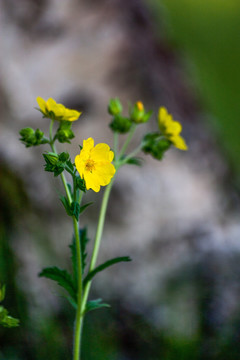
(42, 104)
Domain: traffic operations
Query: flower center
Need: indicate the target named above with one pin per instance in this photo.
(90, 165)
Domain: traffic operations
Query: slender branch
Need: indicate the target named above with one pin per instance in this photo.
(98, 237)
(129, 138)
(115, 145)
(78, 320)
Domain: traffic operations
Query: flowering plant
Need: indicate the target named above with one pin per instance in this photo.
(94, 167)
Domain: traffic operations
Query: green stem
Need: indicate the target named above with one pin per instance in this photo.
(78, 321)
(79, 318)
(98, 237)
(115, 145)
(129, 138)
(132, 154)
(64, 181)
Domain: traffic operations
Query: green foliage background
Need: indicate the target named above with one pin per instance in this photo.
(207, 34)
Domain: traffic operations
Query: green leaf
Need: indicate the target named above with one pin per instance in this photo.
(82, 208)
(62, 277)
(134, 161)
(94, 305)
(80, 183)
(74, 261)
(6, 320)
(83, 243)
(75, 209)
(65, 203)
(105, 265)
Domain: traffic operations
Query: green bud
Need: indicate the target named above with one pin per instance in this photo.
(32, 138)
(51, 158)
(26, 132)
(114, 107)
(64, 133)
(120, 124)
(137, 113)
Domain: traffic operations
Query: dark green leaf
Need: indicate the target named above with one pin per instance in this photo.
(83, 243)
(134, 161)
(65, 203)
(94, 305)
(75, 209)
(105, 265)
(83, 207)
(80, 184)
(64, 156)
(62, 277)
(74, 260)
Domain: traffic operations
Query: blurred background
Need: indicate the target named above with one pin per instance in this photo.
(178, 219)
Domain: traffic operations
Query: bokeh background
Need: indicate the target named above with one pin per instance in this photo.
(178, 219)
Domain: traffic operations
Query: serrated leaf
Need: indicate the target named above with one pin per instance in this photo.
(75, 209)
(83, 207)
(105, 265)
(94, 305)
(83, 243)
(74, 260)
(62, 277)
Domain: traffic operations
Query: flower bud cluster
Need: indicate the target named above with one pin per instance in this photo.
(122, 124)
(32, 138)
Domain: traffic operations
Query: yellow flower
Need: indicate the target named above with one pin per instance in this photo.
(94, 164)
(56, 111)
(171, 129)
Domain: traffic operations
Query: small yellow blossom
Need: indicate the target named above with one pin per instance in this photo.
(56, 111)
(94, 164)
(140, 106)
(171, 129)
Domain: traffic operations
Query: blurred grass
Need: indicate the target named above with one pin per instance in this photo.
(208, 32)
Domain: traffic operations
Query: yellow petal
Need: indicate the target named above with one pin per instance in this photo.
(80, 165)
(101, 152)
(42, 104)
(88, 144)
(92, 181)
(71, 115)
(179, 142)
(173, 128)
